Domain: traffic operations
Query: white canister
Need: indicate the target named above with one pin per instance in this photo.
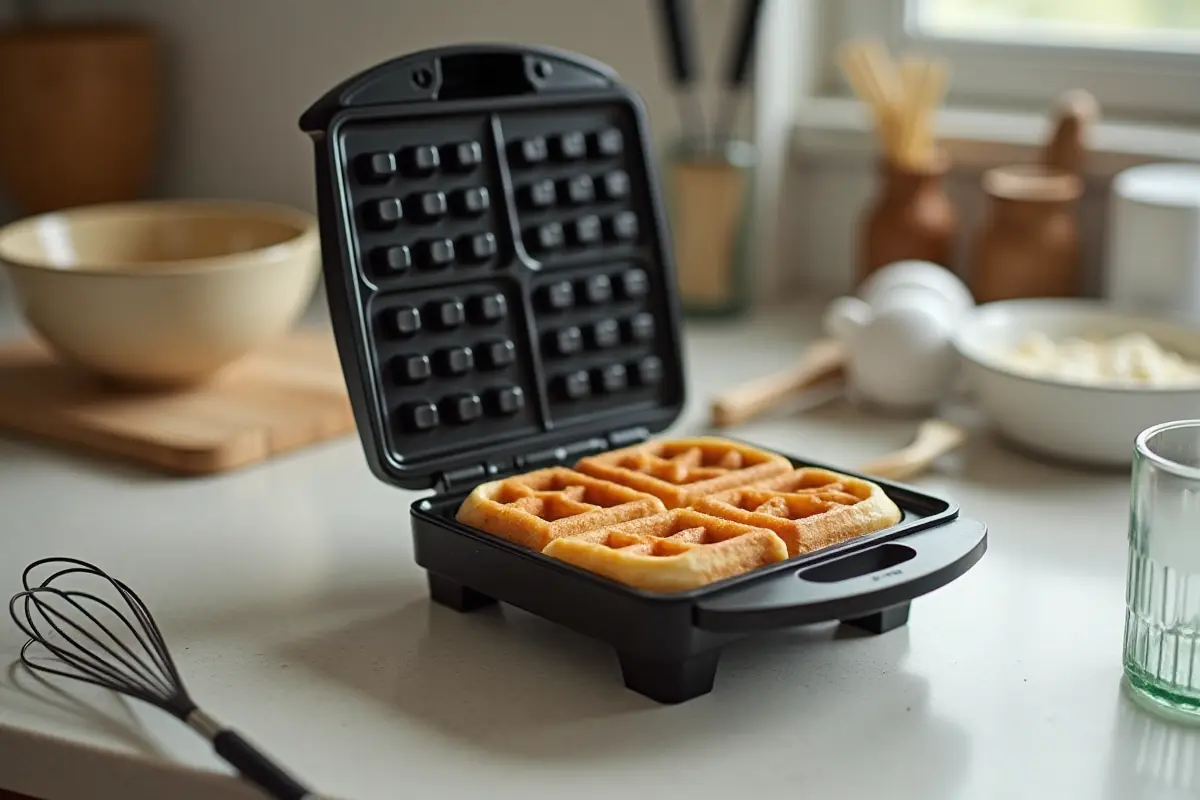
(1153, 258)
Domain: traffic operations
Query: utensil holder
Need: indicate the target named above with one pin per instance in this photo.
(710, 204)
(910, 218)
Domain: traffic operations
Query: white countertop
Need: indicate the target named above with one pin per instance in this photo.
(290, 597)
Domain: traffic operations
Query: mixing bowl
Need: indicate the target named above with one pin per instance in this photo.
(162, 293)
(1069, 421)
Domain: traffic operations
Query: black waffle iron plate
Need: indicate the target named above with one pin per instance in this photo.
(500, 281)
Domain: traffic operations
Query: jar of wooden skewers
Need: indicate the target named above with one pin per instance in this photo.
(910, 216)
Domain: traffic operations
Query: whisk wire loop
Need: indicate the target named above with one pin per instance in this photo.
(144, 670)
(78, 654)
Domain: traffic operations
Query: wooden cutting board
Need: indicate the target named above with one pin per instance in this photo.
(287, 396)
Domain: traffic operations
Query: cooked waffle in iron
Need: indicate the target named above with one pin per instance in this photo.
(537, 507)
(670, 515)
(680, 471)
(808, 508)
(671, 552)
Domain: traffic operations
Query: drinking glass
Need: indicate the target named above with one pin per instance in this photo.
(1162, 600)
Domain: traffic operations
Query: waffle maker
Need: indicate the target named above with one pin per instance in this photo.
(501, 287)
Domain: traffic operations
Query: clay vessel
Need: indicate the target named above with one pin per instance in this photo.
(910, 218)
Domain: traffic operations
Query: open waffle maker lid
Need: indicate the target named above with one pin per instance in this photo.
(497, 262)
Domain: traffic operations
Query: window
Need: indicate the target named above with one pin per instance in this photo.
(1156, 25)
(1141, 58)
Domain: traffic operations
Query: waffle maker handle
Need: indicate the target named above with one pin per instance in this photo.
(851, 586)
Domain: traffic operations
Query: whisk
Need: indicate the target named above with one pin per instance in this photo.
(81, 635)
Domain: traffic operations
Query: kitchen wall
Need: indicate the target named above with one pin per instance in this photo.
(242, 71)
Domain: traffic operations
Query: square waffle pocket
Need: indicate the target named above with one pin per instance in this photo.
(680, 471)
(671, 552)
(537, 507)
(809, 508)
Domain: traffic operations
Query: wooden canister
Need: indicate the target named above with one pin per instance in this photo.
(81, 109)
(910, 217)
(1029, 243)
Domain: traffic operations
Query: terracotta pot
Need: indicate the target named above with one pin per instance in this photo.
(910, 218)
(80, 110)
(1029, 244)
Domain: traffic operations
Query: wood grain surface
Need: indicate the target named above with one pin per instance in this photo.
(287, 396)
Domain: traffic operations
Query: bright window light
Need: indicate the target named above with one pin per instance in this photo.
(1149, 25)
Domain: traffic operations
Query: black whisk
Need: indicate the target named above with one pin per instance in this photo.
(118, 646)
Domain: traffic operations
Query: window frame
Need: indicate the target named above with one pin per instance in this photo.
(1139, 84)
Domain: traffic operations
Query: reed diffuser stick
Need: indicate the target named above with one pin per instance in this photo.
(903, 98)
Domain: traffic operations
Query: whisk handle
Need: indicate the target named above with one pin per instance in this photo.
(257, 768)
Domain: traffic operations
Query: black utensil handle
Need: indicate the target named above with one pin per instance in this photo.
(677, 25)
(257, 768)
(853, 585)
(747, 35)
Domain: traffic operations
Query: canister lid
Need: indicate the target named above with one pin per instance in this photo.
(1033, 183)
(1160, 184)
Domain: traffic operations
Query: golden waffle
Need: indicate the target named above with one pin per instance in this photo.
(680, 471)
(671, 552)
(809, 508)
(534, 508)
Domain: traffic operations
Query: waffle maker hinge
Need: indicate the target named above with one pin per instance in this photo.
(563, 455)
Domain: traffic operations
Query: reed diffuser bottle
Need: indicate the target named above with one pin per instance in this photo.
(910, 216)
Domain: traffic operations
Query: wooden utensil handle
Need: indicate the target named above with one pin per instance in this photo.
(1066, 148)
(823, 360)
(934, 439)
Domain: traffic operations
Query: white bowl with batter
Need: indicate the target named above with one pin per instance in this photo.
(1049, 392)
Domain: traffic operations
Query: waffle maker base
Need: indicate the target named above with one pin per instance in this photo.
(501, 285)
(669, 646)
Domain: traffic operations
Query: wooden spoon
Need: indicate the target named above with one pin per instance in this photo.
(823, 360)
(935, 438)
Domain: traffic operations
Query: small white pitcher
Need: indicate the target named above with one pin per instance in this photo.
(898, 335)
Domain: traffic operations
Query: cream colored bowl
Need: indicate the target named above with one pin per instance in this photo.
(162, 293)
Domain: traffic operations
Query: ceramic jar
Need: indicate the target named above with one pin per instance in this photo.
(1029, 244)
(910, 218)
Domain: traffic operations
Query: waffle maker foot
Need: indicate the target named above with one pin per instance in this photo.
(670, 681)
(882, 621)
(453, 594)
(664, 681)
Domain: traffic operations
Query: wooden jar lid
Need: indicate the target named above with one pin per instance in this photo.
(1033, 183)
